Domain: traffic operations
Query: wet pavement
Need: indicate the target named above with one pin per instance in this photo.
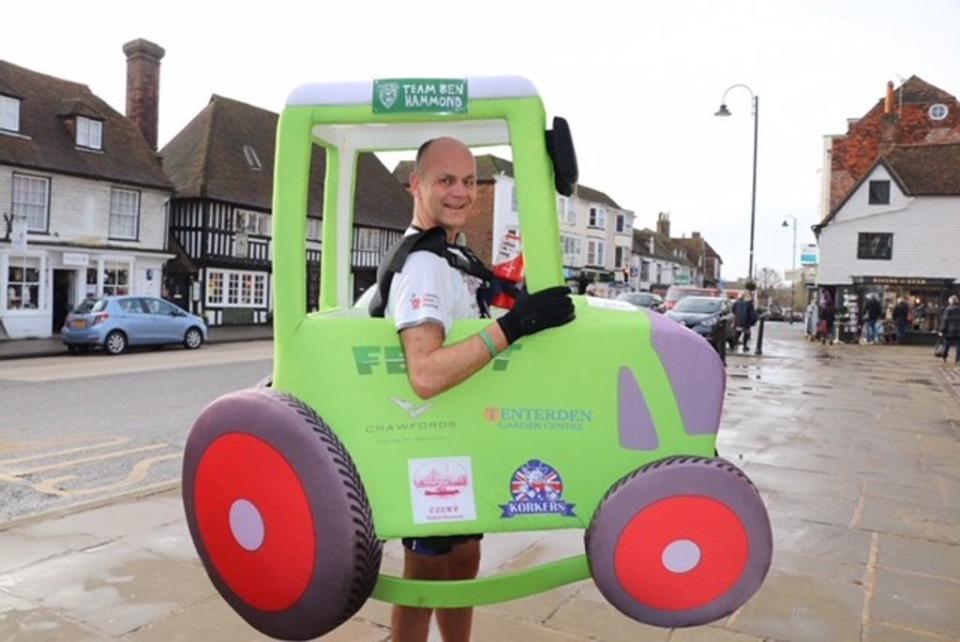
(856, 450)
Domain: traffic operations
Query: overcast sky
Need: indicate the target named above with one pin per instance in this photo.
(639, 82)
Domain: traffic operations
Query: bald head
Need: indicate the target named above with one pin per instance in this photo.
(443, 184)
(444, 147)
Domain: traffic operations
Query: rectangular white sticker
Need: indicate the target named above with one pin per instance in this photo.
(441, 490)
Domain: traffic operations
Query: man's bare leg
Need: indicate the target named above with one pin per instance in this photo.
(411, 624)
(463, 564)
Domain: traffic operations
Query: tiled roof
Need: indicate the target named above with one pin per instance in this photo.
(209, 159)
(46, 144)
(927, 170)
(663, 247)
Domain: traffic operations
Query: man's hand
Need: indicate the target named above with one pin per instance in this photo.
(541, 310)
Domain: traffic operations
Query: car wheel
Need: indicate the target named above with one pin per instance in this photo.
(278, 514)
(193, 339)
(115, 343)
(680, 542)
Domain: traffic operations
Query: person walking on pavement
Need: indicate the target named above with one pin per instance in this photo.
(744, 318)
(871, 317)
(438, 280)
(950, 328)
(901, 317)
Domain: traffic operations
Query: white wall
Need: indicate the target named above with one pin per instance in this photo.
(858, 205)
(925, 232)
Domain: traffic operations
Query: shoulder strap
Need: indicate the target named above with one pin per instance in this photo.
(433, 240)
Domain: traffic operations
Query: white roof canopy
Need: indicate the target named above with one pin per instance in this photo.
(361, 93)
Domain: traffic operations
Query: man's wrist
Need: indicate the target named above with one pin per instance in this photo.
(488, 342)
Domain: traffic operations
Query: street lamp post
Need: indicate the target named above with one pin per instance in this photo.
(723, 111)
(793, 264)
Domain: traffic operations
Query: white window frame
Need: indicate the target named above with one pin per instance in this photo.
(123, 271)
(254, 223)
(32, 201)
(15, 280)
(9, 113)
(938, 111)
(89, 133)
(236, 289)
(368, 239)
(124, 214)
(595, 251)
(252, 159)
(572, 248)
(598, 218)
(620, 255)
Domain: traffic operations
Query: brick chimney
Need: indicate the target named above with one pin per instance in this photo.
(888, 99)
(695, 235)
(143, 86)
(663, 224)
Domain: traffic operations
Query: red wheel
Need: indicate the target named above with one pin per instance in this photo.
(278, 514)
(680, 542)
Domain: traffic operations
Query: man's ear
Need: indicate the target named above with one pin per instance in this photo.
(414, 181)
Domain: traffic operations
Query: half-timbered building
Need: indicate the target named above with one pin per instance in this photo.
(221, 165)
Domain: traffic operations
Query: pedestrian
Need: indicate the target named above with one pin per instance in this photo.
(950, 328)
(744, 318)
(827, 316)
(428, 280)
(871, 317)
(901, 317)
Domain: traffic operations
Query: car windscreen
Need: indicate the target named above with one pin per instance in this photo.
(90, 305)
(698, 305)
(636, 298)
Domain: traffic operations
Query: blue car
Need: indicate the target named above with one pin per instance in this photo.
(115, 322)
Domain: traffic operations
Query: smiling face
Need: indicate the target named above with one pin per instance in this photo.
(444, 186)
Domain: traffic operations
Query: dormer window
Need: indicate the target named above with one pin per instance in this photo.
(89, 133)
(9, 114)
(252, 159)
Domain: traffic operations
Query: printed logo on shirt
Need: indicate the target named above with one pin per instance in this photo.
(425, 301)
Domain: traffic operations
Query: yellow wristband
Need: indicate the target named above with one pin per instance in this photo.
(488, 341)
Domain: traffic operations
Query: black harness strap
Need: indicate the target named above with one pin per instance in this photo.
(433, 240)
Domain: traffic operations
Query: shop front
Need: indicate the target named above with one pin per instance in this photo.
(42, 284)
(925, 297)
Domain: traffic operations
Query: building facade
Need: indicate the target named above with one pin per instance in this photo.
(221, 165)
(83, 196)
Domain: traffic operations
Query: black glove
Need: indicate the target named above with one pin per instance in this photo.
(538, 311)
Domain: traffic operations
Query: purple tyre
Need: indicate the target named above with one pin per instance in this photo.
(680, 542)
(278, 514)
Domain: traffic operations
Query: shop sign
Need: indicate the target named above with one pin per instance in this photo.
(76, 260)
(809, 254)
(424, 95)
(902, 280)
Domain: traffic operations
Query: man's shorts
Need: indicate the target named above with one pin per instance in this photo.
(436, 545)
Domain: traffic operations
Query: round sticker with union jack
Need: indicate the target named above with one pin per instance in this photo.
(537, 489)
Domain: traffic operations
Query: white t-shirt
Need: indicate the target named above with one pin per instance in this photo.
(429, 290)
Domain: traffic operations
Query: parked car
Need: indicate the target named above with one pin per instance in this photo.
(677, 293)
(641, 299)
(115, 322)
(702, 313)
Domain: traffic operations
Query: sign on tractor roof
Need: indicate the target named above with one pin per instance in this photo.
(424, 95)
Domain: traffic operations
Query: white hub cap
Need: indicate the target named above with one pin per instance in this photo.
(246, 524)
(680, 556)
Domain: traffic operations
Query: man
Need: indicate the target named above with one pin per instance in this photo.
(901, 317)
(871, 317)
(950, 328)
(744, 317)
(425, 297)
